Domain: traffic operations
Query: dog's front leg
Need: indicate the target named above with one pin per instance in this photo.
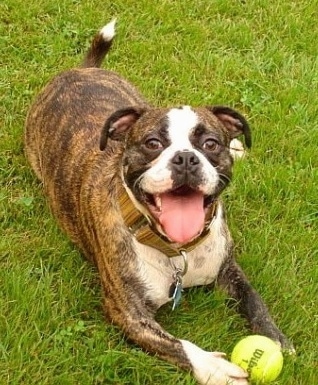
(249, 303)
(127, 306)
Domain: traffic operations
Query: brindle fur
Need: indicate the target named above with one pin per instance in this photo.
(62, 140)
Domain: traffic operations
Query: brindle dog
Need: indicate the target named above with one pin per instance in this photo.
(137, 189)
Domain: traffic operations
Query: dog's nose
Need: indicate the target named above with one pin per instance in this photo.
(185, 160)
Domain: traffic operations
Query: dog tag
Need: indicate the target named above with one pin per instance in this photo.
(176, 291)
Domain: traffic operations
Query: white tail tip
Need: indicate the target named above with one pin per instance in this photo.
(108, 31)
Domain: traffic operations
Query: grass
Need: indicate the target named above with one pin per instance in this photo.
(260, 57)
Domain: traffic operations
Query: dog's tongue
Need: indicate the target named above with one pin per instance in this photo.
(182, 216)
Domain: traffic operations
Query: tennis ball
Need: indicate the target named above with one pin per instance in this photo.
(260, 357)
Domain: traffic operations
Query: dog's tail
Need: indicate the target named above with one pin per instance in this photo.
(100, 46)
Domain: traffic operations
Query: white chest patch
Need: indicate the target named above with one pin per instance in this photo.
(180, 123)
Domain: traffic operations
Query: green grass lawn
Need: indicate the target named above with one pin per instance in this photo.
(260, 57)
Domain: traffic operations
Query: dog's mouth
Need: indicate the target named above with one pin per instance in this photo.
(180, 212)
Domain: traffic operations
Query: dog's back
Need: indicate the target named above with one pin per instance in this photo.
(76, 103)
(64, 125)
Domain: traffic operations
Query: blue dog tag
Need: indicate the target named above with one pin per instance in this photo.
(176, 291)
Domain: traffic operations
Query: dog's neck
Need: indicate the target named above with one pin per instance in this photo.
(144, 230)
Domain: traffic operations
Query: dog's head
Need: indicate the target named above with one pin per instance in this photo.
(176, 162)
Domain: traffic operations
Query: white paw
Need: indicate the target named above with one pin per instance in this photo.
(237, 149)
(210, 368)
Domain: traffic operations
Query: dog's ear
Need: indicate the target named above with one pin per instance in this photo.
(234, 122)
(118, 124)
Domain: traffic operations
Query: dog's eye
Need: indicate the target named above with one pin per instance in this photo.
(210, 145)
(153, 144)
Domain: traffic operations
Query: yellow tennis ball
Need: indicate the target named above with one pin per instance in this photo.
(260, 357)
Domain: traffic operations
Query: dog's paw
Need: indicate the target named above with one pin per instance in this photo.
(211, 368)
(285, 344)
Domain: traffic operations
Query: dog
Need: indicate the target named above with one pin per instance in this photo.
(137, 189)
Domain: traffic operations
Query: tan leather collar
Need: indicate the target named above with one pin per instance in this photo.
(144, 230)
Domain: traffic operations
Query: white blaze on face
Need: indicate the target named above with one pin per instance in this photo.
(181, 121)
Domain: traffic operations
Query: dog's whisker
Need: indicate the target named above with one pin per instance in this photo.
(224, 179)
